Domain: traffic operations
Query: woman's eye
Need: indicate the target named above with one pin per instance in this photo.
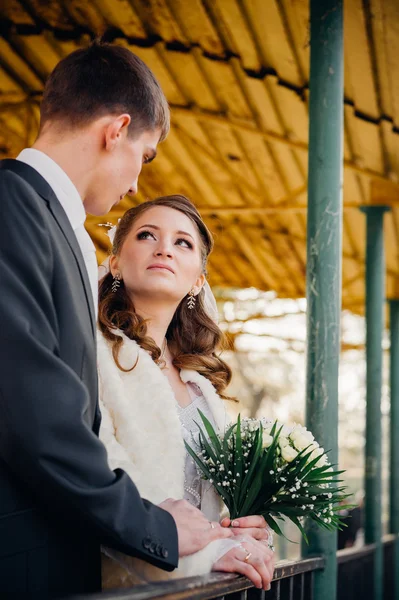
(145, 235)
(184, 243)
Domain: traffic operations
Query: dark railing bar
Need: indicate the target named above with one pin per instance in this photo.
(255, 594)
(302, 587)
(278, 589)
(286, 569)
(349, 554)
(291, 588)
(311, 586)
(215, 585)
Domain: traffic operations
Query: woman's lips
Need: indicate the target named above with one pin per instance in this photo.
(159, 266)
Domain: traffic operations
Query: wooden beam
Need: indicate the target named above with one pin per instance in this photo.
(262, 210)
(247, 126)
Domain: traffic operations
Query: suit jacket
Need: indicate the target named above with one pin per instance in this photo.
(59, 500)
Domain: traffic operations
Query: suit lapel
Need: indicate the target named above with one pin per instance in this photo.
(40, 185)
(65, 226)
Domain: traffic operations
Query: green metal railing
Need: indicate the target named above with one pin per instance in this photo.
(324, 254)
(375, 298)
(394, 437)
(292, 581)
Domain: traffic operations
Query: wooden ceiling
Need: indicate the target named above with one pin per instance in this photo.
(236, 74)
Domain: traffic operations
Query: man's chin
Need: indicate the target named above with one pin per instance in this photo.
(99, 209)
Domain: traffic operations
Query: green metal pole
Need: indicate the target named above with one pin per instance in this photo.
(375, 297)
(394, 457)
(324, 250)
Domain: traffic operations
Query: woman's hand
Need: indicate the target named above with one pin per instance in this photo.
(252, 559)
(254, 526)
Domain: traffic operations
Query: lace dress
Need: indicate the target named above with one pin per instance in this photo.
(194, 485)
(188, 415)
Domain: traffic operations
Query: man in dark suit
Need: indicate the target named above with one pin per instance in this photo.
(102, 116)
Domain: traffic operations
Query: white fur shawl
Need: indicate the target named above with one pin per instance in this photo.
(142, 433)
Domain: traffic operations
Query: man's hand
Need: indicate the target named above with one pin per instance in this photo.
(193, 528)
(254, 526)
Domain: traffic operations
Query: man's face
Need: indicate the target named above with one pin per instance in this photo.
(118, 171)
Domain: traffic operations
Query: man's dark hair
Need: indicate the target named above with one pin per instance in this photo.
(105, 79)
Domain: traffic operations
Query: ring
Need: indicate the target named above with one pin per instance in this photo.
(212, 525)
(248, 556)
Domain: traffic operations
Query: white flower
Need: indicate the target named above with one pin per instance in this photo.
(301, 437)
(288, 454)
(302, 431)
(267, 440)
(253, 425)
(267, 428)
(300, 442)
(283, 441)
(221, 468)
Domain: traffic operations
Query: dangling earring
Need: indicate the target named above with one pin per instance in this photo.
(116, 283)
(191, 300)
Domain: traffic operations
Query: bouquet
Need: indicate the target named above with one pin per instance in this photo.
(263, 468)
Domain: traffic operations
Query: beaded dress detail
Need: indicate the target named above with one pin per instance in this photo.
(188, 415)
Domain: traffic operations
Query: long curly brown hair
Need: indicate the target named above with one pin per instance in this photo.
(194, 339)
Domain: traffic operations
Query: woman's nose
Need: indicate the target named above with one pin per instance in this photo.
(164, 248)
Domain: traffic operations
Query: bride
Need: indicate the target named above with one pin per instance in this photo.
(158, 364)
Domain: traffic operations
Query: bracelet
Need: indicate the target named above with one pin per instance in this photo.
(270, 540)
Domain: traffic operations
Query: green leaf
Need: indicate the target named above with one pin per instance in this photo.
(296, 522)
(211, 433)
(247, 483)
(214, 476)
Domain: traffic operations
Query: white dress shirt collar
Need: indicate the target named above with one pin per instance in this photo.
(60, 183)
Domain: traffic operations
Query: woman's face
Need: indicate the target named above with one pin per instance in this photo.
(160, 258)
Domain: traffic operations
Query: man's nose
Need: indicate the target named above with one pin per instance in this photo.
(133, 189)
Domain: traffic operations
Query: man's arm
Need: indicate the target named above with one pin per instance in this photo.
(44, 439)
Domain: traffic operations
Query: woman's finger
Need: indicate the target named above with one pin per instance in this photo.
(257, 533)
(246, 569)
(252, 521)
(259, 557)
(270, 563)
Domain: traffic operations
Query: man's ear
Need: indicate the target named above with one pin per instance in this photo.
(115, 130)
